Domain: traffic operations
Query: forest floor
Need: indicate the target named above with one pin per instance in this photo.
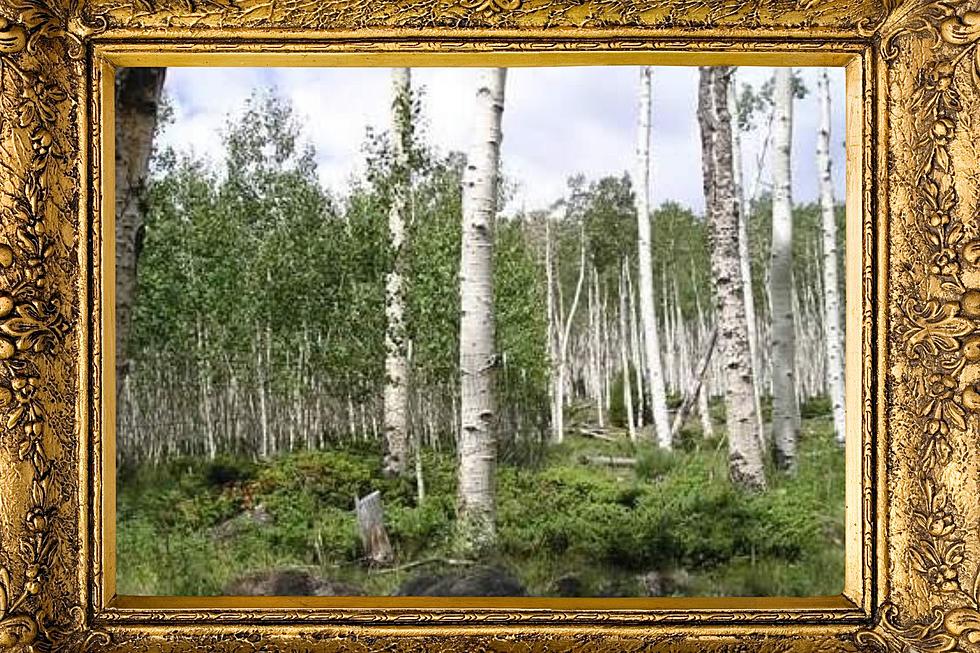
(670, 525)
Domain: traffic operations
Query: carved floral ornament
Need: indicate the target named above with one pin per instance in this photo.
(934, 307)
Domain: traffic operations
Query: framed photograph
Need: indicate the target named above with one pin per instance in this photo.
(489, 325)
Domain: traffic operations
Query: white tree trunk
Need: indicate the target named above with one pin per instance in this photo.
(554, 396)
(834, 364)
(624, 356)
(744, 453)
(138, 93)
(744, 257)
(635, 344)
(396, 366)
(704, 413)
(595, 341)
(785, 407)
(648, 316)
(565, 336)
(263, 366)
(477, 355)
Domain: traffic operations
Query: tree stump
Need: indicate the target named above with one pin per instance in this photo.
(371, 525)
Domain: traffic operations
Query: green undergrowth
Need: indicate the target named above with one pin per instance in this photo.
(189, 527)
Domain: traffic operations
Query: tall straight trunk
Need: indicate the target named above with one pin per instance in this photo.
(555, 399)
(624, 356)
(396, 366)
(744, 454)
(785, 407)
(351, 424)
(595, 341)
(704, 413)
(648, 315)
(477, 355)
(606, 354)
(204, 371)
(744, 256)
(834, 364)
(138, 94)
(555, 384)
(635, 343)
(704, 409)
(263, 413)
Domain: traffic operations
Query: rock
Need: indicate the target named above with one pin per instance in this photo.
(288, 582)
(477, 581)
(617, 588)
(664, 583)
(260, 515)
(257, 516)
(568, 586)
(653, 583)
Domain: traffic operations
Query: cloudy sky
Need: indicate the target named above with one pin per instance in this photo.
(557, 122)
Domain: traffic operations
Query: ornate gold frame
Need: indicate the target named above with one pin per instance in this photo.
(913, 549)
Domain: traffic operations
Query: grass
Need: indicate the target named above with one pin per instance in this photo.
(183, 527)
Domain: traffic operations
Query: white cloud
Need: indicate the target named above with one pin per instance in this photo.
(557, 122)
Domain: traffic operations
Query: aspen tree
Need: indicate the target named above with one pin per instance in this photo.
(785, 405)
(138, 95)
(654, 386)
(744, 256)
(744, 454)
(396, 366)
(834, 363)
(477, 353)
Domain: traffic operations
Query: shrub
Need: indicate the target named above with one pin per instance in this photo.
(601, 526)
(654, 462)
(226, 470)
(617, 405)
(813, 407)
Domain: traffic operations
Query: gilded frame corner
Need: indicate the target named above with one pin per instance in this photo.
(913, 316)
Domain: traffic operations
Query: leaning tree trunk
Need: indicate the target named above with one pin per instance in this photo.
(648, 315)
(565, 334)
(785, 406)
(138, 94)
(744, 454)
(831, 291)
(744, 258)
(396, 366)
(477, 355)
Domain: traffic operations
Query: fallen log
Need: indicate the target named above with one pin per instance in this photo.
(696, 386)
(449, 562)
(610, 461)
(597, 434)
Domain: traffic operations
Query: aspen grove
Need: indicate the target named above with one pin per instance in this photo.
(261, 314)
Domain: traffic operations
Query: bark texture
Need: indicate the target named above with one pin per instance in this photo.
(138, 94)
(656, 393)
(785, 405)
(396, 360)
(744, 260)
(624, 354)
(831, 289)
(371, 527)
(477, 355)
(744, 453)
